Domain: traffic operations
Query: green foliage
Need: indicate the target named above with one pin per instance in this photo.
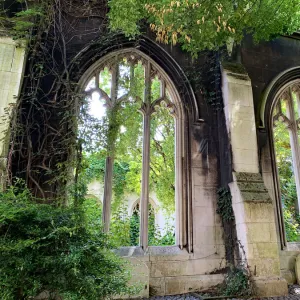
(199, 25)
(287, 181)
(43, 247)
(292, 229)
(237, 283)
(22, 22)
(120, 135)
(134, 229)
(125, 230)
(224, 204)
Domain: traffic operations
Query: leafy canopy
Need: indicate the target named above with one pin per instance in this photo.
(200, 24)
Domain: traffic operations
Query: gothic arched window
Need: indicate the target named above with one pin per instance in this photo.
(148, 145)
(286, 133)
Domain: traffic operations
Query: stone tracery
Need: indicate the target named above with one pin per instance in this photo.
(166, 98)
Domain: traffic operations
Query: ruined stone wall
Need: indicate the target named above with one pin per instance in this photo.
(198, 265)
(171, 270)
(12, 63)
(264, 62)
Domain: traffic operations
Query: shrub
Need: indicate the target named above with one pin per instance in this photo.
(45, 248)
(237, 282)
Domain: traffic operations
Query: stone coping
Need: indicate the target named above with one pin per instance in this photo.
(135, 251)
(292, 246)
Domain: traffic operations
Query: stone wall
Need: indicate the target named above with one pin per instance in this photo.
(171, 270)
(12, 62)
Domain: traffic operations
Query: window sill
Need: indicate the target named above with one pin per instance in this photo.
(293, 246)
(152, 251)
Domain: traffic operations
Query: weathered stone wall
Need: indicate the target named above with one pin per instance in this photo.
(12, 62)
(170, 270)
(264, 62)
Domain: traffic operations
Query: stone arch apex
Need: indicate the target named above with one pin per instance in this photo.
(98, 50)
(278, 84)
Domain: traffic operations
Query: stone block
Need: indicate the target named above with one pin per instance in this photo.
(245, 157)
(6, 56)
(205, 196)
(270, 287)
(242, 234)
(261, 212)
(185, 268)
(205, 177)
(258, 232)
(243, 134)
(204, 216)
(293, 248)
(240, 167)
(140, 275)
(239, 213)
(163, 253)
(239, 93)
(18, 59)
(256, 197)
(265, 250)
(209, 251)
(297, 268)
(186, 284)
(235, 193)
(289, 276)
(208, 235)
(252, 186)
(288, 262)
(247, 177)
(264, 267)
(157, 286)
(3, 97)
(273, 233)
(238, 113)
(5, 78)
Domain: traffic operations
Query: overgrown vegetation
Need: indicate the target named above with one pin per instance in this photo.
(284, 162)
(224, 205)
(210, 24)
(237, 283)
(54, 249)
(237, 280)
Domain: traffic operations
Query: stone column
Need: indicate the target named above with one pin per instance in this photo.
(145, 182)
(253, 208)
(12, 63)
(146, 109)
(107, 195)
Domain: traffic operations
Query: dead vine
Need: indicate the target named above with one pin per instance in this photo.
(43, 128)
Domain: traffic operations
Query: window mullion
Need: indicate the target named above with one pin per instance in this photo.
(146, 110)
(109, 162)
(294, 145)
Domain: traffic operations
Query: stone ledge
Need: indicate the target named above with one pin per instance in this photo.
(270, 287)
(252, 187)
(247, 177)
(183, 284)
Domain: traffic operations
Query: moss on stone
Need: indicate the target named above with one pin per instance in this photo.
(234, 67)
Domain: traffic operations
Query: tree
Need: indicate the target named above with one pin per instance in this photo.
(287, 181)
(200, 24)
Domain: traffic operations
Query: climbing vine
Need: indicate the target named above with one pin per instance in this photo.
(44, 146)
(238, 281)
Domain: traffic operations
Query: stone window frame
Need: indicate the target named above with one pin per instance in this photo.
(181, 218)
(278, 88)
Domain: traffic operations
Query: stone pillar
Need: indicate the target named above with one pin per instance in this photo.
(253, 208)
(12, 62)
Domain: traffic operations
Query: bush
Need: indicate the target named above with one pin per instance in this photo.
(45, 248)
(237, 282)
